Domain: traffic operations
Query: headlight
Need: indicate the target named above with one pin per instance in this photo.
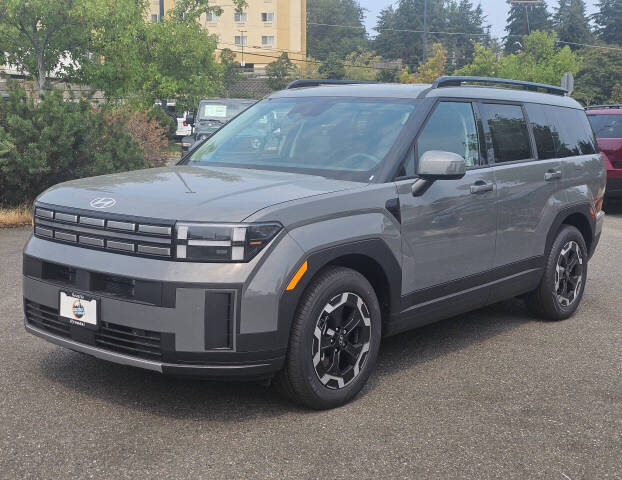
(200, 138)
(205, 242)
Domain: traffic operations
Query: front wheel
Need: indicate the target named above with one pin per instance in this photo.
(334, 341)
(561, 289)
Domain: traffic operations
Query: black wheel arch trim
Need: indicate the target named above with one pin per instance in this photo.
(582, 209)
(374, 248)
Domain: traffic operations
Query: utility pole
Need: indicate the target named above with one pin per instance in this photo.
(425, 30)
(242, 32)
(525, 4)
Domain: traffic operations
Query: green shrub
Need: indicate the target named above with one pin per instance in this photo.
(168, 123)
(56, 140)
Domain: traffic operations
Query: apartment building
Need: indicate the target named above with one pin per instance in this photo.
(259, 34)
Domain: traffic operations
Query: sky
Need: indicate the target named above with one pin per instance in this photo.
(495, 10)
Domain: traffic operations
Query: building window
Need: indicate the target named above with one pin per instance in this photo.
(210, 16)
(154, 17)
(267, 41)
(240, 17)
(267, 17)
(241, 40)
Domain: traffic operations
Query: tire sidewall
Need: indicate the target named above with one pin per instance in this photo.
(352, 282)
(567, 234)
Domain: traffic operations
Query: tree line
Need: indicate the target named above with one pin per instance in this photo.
(459, 41)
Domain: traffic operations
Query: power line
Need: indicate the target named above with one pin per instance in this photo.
(604, 47)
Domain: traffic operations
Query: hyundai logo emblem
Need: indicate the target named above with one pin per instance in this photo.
(103, 202)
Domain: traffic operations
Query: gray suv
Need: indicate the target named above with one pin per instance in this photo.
(318, 221)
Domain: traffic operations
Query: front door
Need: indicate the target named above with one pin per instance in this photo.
(448, 232)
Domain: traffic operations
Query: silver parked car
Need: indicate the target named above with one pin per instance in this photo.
(320, 220)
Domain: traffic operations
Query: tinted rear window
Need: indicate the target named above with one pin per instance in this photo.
(560, 132)
(606, 126)
(508, 131)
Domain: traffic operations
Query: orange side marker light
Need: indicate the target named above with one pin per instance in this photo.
(296, 278)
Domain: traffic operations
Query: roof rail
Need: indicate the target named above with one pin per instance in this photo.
(316, 82)
(531, 86)
(602, 107)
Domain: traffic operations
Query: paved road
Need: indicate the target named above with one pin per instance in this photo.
(491, 394)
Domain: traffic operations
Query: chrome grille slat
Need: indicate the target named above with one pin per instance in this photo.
(124, 235)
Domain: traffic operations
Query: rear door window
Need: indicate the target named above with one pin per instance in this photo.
(507, 131)
(543, 131)
(606, 126)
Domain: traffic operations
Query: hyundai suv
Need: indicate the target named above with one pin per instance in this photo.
(606, 121)
(318, 221)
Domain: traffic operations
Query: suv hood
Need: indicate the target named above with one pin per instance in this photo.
(211, 194)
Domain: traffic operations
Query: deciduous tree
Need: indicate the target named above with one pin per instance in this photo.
(37, 34)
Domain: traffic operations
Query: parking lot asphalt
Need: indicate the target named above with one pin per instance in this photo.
(490, 394)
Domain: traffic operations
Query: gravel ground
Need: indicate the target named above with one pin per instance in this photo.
(490, 394)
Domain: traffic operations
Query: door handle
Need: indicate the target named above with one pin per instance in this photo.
(481, 187)
(552, 175)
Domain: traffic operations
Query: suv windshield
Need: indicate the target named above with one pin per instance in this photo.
(220, 111)
(334, 137)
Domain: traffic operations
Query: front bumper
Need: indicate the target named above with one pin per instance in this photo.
(251, 370)
(213, 320)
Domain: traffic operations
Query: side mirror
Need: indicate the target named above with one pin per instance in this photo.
(440, 165)
(190, 119)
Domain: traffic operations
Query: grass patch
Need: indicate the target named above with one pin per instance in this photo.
(173, 149)
(15, 217)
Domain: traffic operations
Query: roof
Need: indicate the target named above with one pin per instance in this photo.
(414, 91)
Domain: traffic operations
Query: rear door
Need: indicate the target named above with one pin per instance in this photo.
(528, 177)
(448, 232)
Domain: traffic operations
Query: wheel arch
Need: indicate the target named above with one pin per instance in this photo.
(578, 216)
(372, 258)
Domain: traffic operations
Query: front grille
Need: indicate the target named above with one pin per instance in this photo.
(46, 318)
(118, 338)
(105, 232)
(131, 341)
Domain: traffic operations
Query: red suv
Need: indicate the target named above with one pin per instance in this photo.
(606, 121)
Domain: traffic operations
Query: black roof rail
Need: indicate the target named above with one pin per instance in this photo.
(316, 82)
(603, 107)
(531, 86)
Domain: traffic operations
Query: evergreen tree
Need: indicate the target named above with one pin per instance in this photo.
(522, 20)
(608, 21)
(462, 16)
(323, 39)
(571, 23)
(400, 30)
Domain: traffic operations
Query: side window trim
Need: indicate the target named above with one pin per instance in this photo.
(492, 160)
(532, 137)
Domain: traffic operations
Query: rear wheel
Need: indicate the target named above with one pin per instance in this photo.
(561, 289)
(334, 341)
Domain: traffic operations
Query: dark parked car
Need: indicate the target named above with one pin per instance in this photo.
(211, 115)
(606, 121)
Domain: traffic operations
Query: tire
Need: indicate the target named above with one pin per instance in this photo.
(558, 296)
(315, 375)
